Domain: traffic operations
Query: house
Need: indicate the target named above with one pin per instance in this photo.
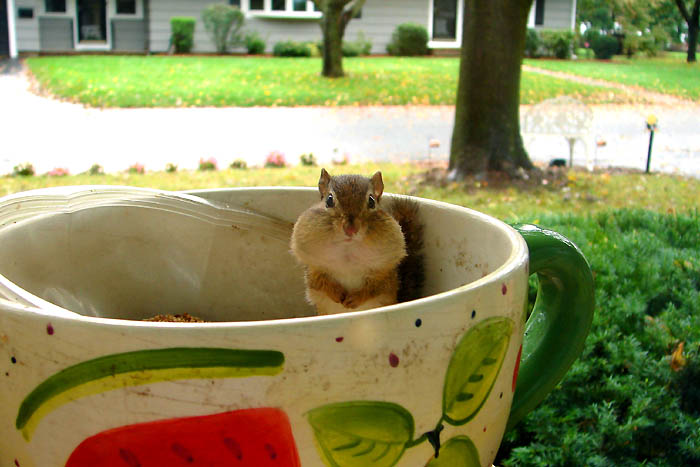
(30, 26)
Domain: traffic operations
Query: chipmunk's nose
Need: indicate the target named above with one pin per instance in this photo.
(349, 227)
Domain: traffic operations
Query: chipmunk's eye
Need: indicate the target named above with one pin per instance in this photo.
(370, 202)
(329, 201)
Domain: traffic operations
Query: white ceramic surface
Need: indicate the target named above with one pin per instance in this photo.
(81, 266)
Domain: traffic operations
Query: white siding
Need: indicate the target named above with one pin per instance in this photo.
(557, 14)
(27, 29)
(378, 21)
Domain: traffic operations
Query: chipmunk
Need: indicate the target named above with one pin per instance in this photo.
(359, 252)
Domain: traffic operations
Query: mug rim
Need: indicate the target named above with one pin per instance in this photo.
(23, 298)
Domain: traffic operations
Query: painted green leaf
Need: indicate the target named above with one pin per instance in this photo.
(457, 452)
(364, 433)
(474, 367)
(141, 367)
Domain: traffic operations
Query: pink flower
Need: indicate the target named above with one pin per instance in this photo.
(58, 172)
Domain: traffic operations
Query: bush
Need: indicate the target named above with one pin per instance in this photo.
(23, 170)
(223, 23)
(604, 47)
(136, 169)
(275, 159)
(208, 164)
(96, 169)
(291, 49)
(632, 396)
(585, 54)
(532, 43)
(239, 164)
(254, 43)
(170, 168)
(557, 44)
(58, 172)
(308, 160)
(408, 39)
(182, 33)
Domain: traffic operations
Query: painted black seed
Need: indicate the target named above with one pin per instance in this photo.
(419, 322)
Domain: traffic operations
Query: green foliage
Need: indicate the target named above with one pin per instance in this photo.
(360, 46)
(254, 43)
(182, 33)
(239, 164)
(584, 54)
(291, 49)
(24, 169)
(223, 23)
(625, 401)
(308, 160)
(604, 47)
(170, 168)
(408, 39)
(557, 44)
(275, 160)
(96, 169)
(532, 43)
(207, 164)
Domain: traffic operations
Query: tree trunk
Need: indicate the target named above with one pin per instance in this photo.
(693, 22)
(692, 40)
(486, 134)
(333, 27)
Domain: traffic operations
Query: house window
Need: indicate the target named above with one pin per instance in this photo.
(25, 13)
(257, 4)
(55, 6)
(539, 12)
(299, 5)
(445, 20)
(235, 3)
(126, 7)
(278, 5)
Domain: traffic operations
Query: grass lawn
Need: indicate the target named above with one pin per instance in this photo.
(576, 192)
(162, 81)
(668, 74)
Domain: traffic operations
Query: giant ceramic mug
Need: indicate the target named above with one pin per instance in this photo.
(86, 383)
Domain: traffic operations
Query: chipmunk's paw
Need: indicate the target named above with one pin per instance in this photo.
(353, 300)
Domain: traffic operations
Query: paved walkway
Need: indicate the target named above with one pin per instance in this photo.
(51, 134)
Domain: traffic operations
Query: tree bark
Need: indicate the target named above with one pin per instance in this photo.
(486, 134)
(333, 28)
(693, 21)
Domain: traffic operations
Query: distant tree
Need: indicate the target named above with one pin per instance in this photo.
(691, 15)
(486, 133)
(336, 16)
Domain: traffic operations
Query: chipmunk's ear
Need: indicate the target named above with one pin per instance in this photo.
(324, 183)
(377, 185)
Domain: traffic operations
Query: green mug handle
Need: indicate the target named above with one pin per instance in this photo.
(557, 328)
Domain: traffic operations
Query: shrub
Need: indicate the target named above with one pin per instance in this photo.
(308, 160)
(182, 33)
(275, 159)
(223, 23)
(96, 169)
(585, 54)
(604, 47)
(532, 43)
(291, 49)
(208, 164)
(170, 168)
(136, 169)
(24, 169)
(408, 39)
(58, 172)
(631, 398)
(239, 164)
(254, 43)
(557, 44)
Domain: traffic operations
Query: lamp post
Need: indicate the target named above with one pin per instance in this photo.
(651, 126)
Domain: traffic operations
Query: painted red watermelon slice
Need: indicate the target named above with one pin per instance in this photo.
(258, 437)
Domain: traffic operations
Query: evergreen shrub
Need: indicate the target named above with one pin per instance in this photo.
(223, 23)
(633, 396)
(291, 49)
(254, 43)
(182, 33)
(604, 47)
(408, 39)
(557, 44)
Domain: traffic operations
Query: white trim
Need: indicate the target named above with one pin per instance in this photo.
(12, 32)
(531, 16)
(573, 16)
(288, 12)
(446, 44)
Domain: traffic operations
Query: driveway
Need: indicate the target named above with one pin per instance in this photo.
(50, 134)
